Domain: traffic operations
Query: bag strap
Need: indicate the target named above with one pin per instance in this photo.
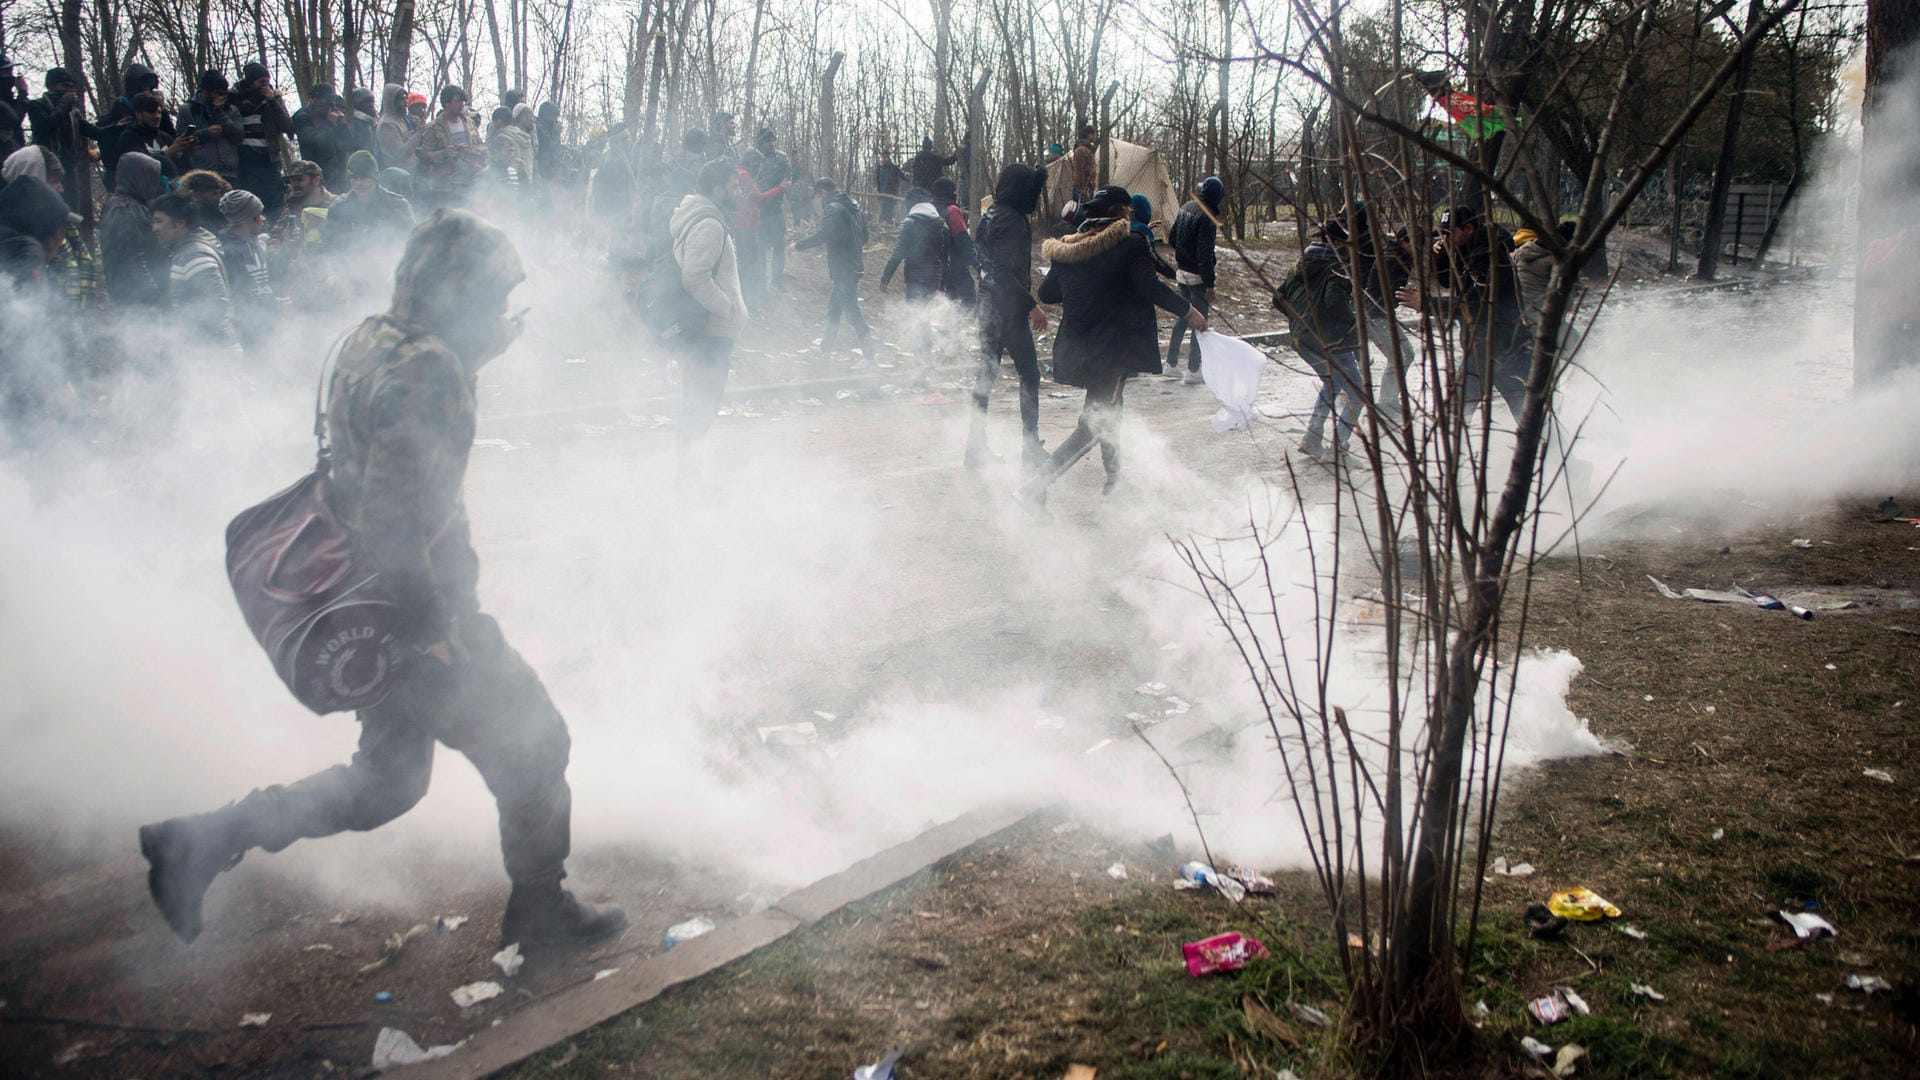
(323, 397)
(704, 215)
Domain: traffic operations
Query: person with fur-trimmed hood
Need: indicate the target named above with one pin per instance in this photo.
(400, 424)
(1102, 276)
(1009, 315)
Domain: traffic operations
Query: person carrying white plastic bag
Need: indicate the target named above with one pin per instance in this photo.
(1232, 372)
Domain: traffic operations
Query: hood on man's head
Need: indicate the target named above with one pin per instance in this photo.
(1142, 208)
(139, 78)
(924, 210)
(26, 161)
(397, 180)
(1213, 193)
(57, 78)
(393, 99)
(253, 70)
(30, 208)
(1019, 186)
(452, 259)
(137, 176)
(945, 190)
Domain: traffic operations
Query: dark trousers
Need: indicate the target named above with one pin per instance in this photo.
(1509, 376)
(263, 179)
(844, 301)
(703, 382)
(1340, 382)
(1002, 330)
(1197, 296)
(773, 240)
(1099, 422)
(751, 256)
(489, 706)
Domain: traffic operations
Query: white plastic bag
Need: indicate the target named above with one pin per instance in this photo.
(1232, 370)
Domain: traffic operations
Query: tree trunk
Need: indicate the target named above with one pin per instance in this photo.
(1220, 168)
(753, 64)
(942, 63)
(499, 50)
(973, 159)
(1890, 174)
(829, 128)
(1723, 172)
(400, 43)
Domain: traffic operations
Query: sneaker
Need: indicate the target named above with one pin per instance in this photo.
(1193, 377)
(1034, 457)
(1314, 450)
(1032, 497)
(184, 855)
(550, 915)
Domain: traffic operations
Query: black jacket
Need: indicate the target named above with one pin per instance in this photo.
(135, 268)
(326, 145)
(55, 123)
(31, 213)
(379, 214)
(844, 231)
(1192, 238)
(1103, 278)
(1485, 297)
(922, 248)
(220, 154)
(123, 139)
(1003, 241)
(927, 166)
(1317, 298)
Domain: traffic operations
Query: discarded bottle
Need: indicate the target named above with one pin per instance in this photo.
(1202, 874)
(680, 932)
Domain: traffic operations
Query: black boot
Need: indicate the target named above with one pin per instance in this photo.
(184, 855)
(550, 915)
(1034, 456)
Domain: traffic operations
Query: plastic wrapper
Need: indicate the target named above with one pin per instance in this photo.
(1230, 951)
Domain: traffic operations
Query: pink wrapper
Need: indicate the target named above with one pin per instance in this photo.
(1230, 951)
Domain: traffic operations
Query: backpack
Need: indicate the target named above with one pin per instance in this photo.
(666, 306)
(1315, 304)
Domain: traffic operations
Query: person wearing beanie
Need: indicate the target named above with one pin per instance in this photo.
(1195, 230)
(14, 99)
(928, 165)
(1316, 297)
(417, 109)
(703, 252)
(452, 151)
(957, 283)
(243, 255)
(400, 426)
(772, 172)
(368, 213)
(197, 279)
(214, 122)
(363, 121)
(1009, 316)
(60, 125)
(843, 230)
(393, 134)
(326, 136)
(264, 130)
(1102, 276)
(398, 181)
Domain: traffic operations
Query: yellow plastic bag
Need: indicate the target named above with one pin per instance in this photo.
(1581, 904)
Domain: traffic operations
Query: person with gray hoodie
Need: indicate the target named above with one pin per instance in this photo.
(130, 254)
(710, 273)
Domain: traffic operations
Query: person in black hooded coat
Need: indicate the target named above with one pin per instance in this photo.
(1103, 278)
(32, 216)
(1009, 315)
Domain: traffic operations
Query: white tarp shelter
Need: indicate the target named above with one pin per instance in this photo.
(1133, 166)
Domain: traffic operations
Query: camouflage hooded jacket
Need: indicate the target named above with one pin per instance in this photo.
(400, 418)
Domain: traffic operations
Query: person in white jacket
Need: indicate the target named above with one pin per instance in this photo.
(710, 273)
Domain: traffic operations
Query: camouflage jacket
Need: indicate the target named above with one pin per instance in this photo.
(401, 420)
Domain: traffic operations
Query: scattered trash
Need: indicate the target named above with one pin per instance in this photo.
(1230, 951)
(391, 950)
(803, 733)
(383, 997)
(1066, 827)
(843, 395)
(322, 947)
(1118, 871)
(686, 931)
(1769, 603)
(1563, 1063)
(255, 1019)
(1881, 775)
(1535, 1047)
(1516, 870)
(1307, 1014)
(1481, 1014)
(1201, 874)
(1634, 932)
(1050, 722)
(474, 993)
(879, 1070)
(1255, 882)
(1664, 591)
(1152, 689)
(574, 360)
(1719, 834)
(604, 973)
(1097, 747)
(508, 960)
(1646, 991)
(1869, 984)
(1581, 905)
(1233, 378)
(1806, 925)
(1802, 543)
(447, 924)
(345, 918)
(1081, 1072)
(1177, 706)
(1558, 1005)
(395, 1047)
(72, 1053)
(1543, 924)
